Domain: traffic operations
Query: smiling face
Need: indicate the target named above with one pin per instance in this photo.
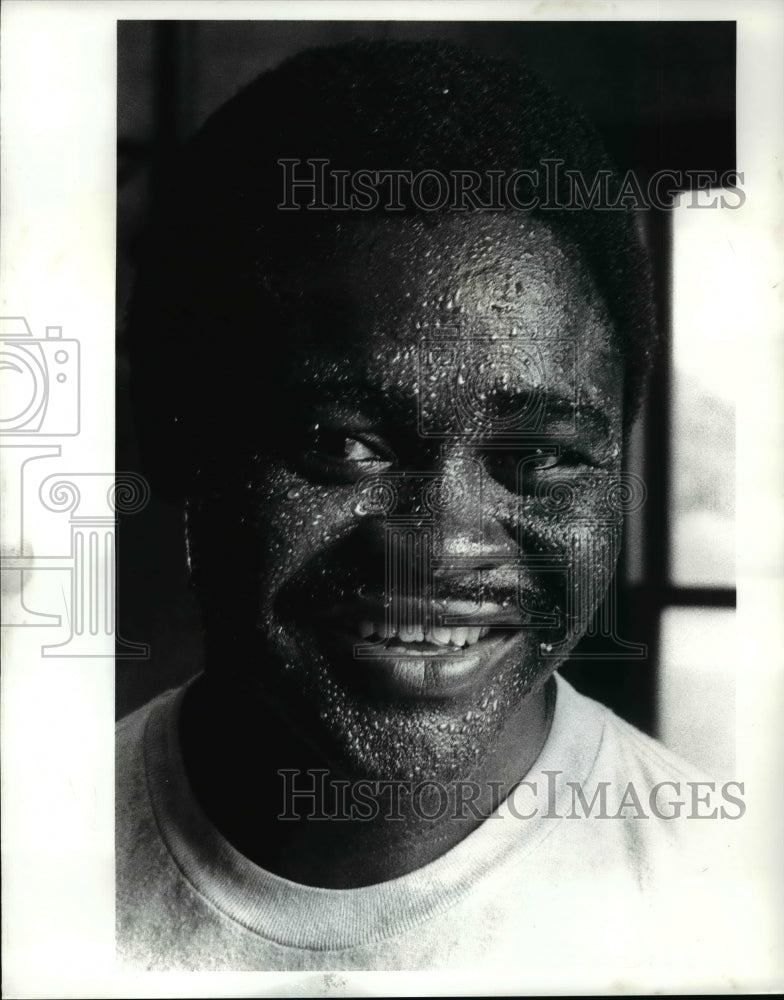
(422, 535)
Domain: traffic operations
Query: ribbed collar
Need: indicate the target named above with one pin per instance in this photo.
(300, 916)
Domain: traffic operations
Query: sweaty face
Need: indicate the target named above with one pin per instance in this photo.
(426, 523)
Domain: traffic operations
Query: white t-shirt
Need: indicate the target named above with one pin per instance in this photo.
(564, 887)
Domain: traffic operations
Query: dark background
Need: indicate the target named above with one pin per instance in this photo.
(662, 94)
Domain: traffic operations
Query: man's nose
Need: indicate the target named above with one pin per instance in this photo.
(454, 499)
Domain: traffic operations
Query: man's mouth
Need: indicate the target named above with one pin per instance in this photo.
(421, 650)
(420, 637)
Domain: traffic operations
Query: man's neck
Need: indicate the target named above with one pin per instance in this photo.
(247, 781)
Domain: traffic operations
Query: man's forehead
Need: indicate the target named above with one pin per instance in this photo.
(476, 243)
(448, 270)
(414, 310)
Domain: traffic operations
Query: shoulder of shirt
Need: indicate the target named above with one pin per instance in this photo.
(131, 727)
(629, 759)
(654, 754)
(628, 745)
(130, 764)
(136, 825)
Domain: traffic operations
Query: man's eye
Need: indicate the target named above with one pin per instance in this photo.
(341, 447)
(334, 453)
(541, 462)
(516, 469)
(357, 451)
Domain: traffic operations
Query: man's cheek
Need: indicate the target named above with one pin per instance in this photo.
(575, 553)
(591, 549)
(302, 527)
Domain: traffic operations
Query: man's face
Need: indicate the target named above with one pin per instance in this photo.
(424, 532)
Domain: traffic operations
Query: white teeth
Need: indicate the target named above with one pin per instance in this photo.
(472, 637)
(438, 635)
(458, 637)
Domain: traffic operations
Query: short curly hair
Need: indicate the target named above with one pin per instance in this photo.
(426, 105)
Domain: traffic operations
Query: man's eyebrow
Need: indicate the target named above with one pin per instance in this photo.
(552, 406)
(356, 390)
(592, 418)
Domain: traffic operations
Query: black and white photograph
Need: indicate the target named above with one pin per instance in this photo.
(392, 489)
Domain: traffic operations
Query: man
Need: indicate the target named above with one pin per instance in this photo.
(397, 422)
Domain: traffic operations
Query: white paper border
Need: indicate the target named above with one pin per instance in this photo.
(57, 108)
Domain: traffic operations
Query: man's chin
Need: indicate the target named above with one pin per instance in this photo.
(369, 718)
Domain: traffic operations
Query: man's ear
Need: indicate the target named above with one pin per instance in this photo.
(186, 524)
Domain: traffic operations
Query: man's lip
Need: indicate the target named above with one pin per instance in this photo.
(382, 671)
(438, 611)
(394, 668)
